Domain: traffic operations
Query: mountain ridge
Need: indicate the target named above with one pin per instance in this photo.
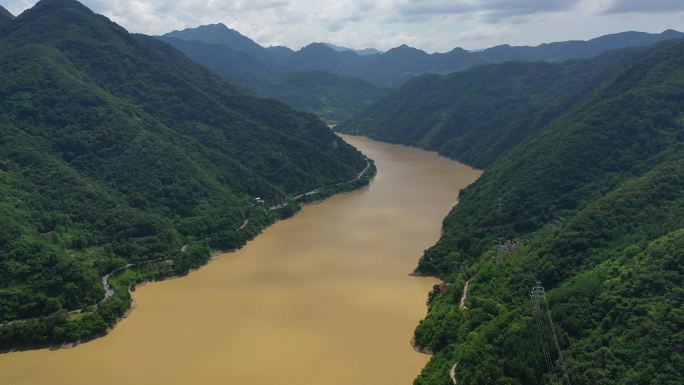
(383, 68)
(5, 15)
(360, 52)
(222, 35)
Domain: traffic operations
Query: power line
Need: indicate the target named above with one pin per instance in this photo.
(499, 251)
(555, 342)
(547, 332)
(537, 293)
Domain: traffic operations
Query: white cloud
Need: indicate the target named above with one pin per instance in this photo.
(432, 25)
(641, 6)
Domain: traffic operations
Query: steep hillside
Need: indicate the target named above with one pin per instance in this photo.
(591, 206)
(117, 149)
(231, 64)
(583, 191)
(331, 96)
(477, 115)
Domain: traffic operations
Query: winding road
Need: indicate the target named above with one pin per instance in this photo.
(109, 292)
(464, 296)
(316, 190)
(461, 305)
(452, 373)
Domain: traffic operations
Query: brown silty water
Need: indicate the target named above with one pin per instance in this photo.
(323, 298)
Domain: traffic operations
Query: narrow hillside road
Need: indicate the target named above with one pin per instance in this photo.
(315, 191)
(300, 196)
(452, 373)
(244, 224)
(109, 292)
(363, 171)
(462, 305)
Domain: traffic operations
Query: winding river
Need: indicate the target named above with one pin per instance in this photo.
(323, 298)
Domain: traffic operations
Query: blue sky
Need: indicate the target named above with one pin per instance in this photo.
(432, 25)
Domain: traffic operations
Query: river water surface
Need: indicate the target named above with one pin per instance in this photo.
(323, 298)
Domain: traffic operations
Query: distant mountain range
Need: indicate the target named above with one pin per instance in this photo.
(222, 35)
(360, 52)
(239, 58)
(401, 63)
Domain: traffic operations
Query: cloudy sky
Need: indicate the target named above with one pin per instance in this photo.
(432, 25)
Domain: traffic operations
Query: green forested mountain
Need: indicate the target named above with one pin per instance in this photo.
(219, 34)
(478, 114)
(235, 57)
(589, 201)
(332, 97)
(117, 149)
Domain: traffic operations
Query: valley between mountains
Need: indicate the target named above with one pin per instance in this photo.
(196, 207)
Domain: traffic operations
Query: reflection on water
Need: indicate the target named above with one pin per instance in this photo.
(323, 298)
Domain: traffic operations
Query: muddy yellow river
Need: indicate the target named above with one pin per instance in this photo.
(323, 298)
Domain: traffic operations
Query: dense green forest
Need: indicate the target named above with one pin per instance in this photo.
(117, 149)
(589, 190)
(478, 114)
(236, 58)
(332, 97)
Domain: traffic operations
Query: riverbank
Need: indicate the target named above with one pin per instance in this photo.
(95, 321)
(324, 295)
